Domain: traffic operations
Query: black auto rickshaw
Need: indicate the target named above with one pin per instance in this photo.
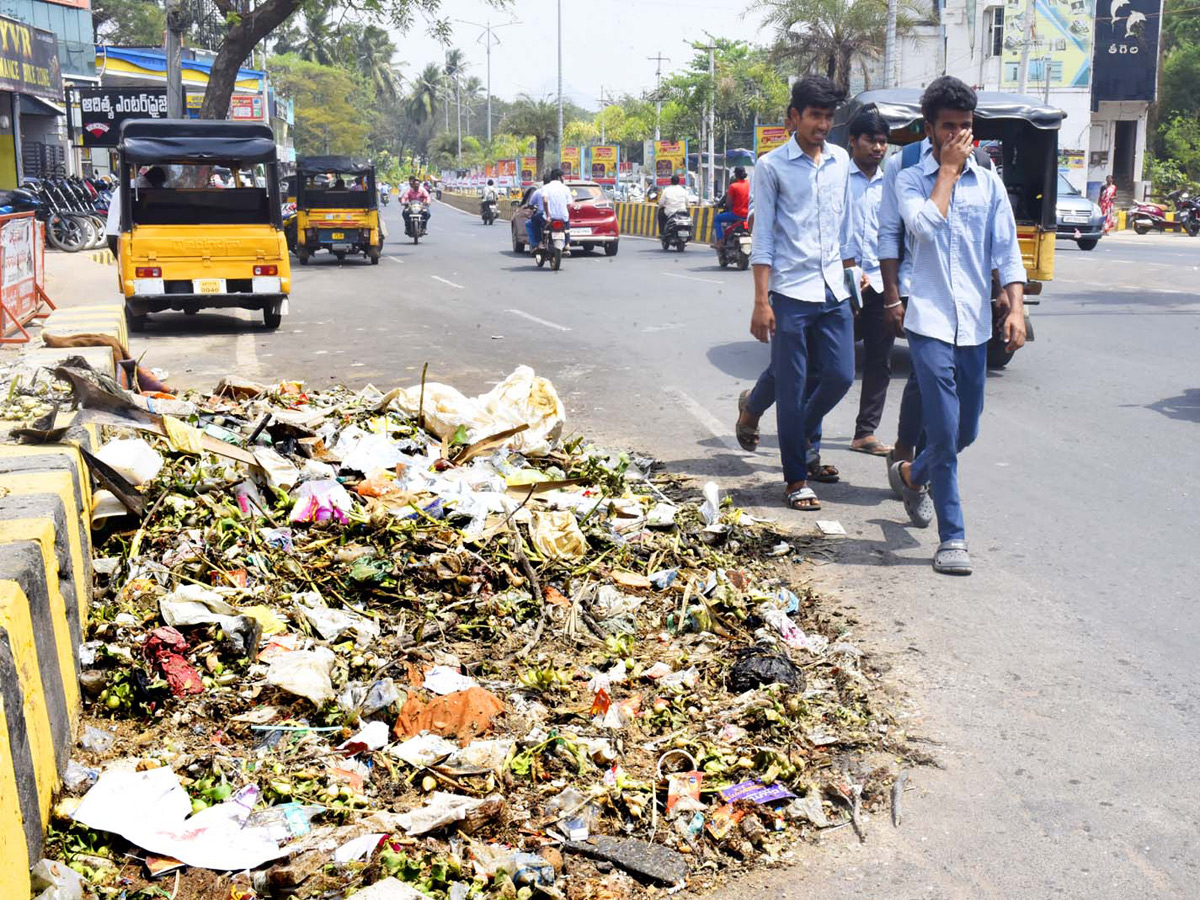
(337, 208)
(1020, 135)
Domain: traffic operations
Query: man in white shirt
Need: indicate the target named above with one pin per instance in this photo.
(556, 200)
(673, 199)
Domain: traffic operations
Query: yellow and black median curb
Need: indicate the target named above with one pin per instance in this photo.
(45, 590)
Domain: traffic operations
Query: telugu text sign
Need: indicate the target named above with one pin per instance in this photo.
(97, 113)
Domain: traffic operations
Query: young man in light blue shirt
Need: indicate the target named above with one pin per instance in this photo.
(802, 235)
(962, 226)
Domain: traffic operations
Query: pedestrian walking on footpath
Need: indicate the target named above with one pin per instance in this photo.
(961, 226)
(802, 235)
(868, 144)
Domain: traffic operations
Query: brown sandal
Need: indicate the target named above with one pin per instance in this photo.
(747, 438)
(823, 474)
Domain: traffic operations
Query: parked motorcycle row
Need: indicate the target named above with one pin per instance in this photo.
(1145, 217)
(73, 209)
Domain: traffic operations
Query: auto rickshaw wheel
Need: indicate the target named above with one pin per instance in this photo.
(135, 323)
(341, 255)
(373, 254)
(302, 255)
(272, 317)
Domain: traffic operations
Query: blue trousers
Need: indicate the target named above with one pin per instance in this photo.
(719, 223)
(952, 382)
(808, 336)
(533, 227)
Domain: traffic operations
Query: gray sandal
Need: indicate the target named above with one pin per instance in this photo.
(805, 493)
(917, 502)
(952, 558)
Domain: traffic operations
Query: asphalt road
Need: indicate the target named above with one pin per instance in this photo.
(1060, 682)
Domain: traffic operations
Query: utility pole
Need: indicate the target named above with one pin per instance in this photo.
(560, 105)
(458, 115)
(1023, 81)
(1046, 60)
(603, 108)
(660, 59)
(487, 35)
(889, 46)
(173, 51)
(712, 120)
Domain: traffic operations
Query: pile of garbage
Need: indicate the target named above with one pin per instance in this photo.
(414, 644)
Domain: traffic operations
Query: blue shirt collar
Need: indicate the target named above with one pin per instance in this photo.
(794, 151)
(855, 170)
(930, 165)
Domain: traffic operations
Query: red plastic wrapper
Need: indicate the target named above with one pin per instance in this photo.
(164, 649)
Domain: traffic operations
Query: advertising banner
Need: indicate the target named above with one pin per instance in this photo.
(570, 162)
(97, 113)
(1070, 162)
(507, 169)
(670, 158)
(18, 293)
(490, 170)
(242, 107)
(29, 60)
(1126, 61)
(605, 158)
(528, 170)
(1062, 44)
(768, 137)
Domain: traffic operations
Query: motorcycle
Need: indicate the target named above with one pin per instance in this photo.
(414, 220)
(735, 246)
(385, 198)
(1187, 215)
(487, 211)
(677, 231)
(554, 242)
(1145, 216)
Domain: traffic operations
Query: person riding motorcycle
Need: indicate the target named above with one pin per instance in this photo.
(556, 199)
(537, 221)
(489, 192)
(417, 192)
(736, 204)
(671, 200)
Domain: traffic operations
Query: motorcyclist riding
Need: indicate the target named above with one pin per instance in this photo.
(671, 200)
(417, 192)
(736, 204)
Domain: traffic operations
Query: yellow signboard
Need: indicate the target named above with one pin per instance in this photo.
(528, 170)
(768, 137)
(605, 159)
(570, 162)
(1060, 52)
(670, 158)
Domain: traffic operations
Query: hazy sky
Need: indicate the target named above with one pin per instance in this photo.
(605, 42)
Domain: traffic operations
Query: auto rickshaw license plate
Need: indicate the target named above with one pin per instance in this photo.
(209, 286)
(338, 236)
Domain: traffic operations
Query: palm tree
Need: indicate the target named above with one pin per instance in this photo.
(318, 41)
(825, 35)
(427, 88)
(374, 59)
(455, 65)
(472, 91)
(536, 118)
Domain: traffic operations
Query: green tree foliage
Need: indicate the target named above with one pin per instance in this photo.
(329, 105)
(536, 117)
(128, 22)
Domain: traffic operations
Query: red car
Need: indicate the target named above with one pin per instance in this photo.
(593, 219)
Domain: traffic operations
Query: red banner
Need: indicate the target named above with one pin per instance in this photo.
(21, 270)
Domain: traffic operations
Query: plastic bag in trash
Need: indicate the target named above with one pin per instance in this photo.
(556, 535)
(450, 809)
(322, 501)
(55, 881)
(132, 458)
(757, 666)
(304, 673)
(280, 473)
(331, 623)
(521, 399)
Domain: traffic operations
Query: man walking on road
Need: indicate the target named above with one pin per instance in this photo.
(962, 226)
(802, 237)
(868, 144)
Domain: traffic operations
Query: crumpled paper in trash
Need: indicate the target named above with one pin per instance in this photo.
(305, 673)
(331, 623)
(448, 809)
(463, 714)
(520, 399)
(150, 810)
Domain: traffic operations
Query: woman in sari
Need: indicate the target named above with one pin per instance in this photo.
(1108, 204)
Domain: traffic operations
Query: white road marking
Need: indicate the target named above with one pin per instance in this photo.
(446, 281)
(667, 327)
(706, 419)
(693, 278)
(396, 259)
(533, 318)
(245, 352)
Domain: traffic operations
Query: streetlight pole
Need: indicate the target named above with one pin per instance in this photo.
(889, 46)
(487, 35)
(712, 120)
(173, 50)
(660, 59)
(560, 102)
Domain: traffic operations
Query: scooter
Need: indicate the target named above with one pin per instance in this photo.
(554, 242)
(414, 220)
(1145, 216)
(487, 211)
(677, 231)
(1187, 210)
(735, 246)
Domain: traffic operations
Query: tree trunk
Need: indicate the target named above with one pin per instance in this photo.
(240, 41)
(842, 78)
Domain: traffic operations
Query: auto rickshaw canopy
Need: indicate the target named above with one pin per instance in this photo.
(311, 195)
(345, 165)
(147, 141)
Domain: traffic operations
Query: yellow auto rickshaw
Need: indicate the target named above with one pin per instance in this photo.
(193, 237)
(337, 208)
(1020, 136)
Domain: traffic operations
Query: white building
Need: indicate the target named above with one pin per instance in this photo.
(1101, 71)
